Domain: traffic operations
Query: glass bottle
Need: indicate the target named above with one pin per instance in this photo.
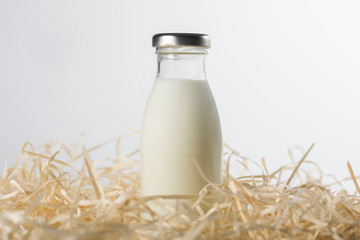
(181, 141)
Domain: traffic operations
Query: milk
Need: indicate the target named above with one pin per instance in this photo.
(180, 126)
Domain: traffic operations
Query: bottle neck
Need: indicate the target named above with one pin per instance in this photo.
(181, 63)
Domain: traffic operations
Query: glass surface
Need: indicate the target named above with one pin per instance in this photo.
(181, 62)
(181, 141)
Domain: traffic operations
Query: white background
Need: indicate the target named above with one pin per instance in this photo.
(283, 73)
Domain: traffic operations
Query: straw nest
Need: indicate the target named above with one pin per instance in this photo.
(43, 196)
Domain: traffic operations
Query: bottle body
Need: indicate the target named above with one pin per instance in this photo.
(181, 140)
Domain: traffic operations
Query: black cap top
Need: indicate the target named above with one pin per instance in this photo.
(181, 39)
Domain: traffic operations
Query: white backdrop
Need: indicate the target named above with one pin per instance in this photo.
(283, 73)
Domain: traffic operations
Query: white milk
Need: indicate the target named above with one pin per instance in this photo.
(181, 125)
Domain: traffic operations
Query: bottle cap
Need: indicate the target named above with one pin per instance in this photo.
(181, 39)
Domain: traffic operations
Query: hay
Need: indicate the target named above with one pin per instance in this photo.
(44, 197)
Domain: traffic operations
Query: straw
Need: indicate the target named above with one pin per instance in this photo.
(43, 196)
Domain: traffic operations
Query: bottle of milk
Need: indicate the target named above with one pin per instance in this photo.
(181, 141)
